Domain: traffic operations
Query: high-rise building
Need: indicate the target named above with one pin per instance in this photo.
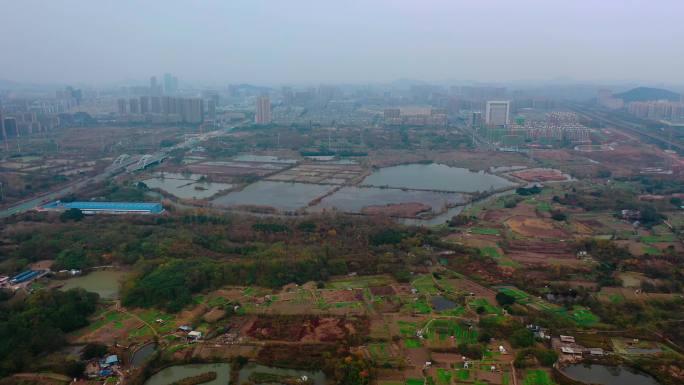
(211, 109)
(4, 132)
(288, 95)
(134, 106)
(170, 84)
(263, 110)
(155, 89)
(122, 107)
(498, 113)
(156, 105)
(144, 105)
(476, 119)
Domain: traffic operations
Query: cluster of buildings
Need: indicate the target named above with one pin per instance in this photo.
(22, 279)
(660, 109)
(164, 109)
(558, 125)
(415, 116)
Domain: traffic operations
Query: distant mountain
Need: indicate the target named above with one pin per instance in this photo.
(644, 94)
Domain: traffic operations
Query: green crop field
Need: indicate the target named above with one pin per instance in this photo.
(537, 377)
(484, 231)
(359, 282)
(658, 238)
(463, 374)
(415, 381)
(489, 308)
(443, 376)
(425, 285)
(412, 343)
(441, 330)
(519, 295)
(419, 306)
(407, 329)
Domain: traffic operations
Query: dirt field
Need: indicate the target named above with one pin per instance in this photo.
(305, 328)
(401, 210)
(535, 227)
(540, 175)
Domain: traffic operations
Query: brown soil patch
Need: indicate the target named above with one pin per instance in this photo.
(214, 315)
(401, 210)
(469, 286)
(534, 227)
(382, 290)
(342, 295)
(306, 328)
(540, 175)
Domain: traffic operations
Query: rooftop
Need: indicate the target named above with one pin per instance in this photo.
(106, 206)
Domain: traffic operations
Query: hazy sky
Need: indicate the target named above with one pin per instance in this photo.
(353, 41)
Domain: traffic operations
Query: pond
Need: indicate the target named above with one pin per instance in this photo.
(186, 186)
(608, 375)
(435, 176)
(140, 355)
(441, 303)
(283, 196)
(103, 282)
(178, 372)
(318, 377)
(353, 199)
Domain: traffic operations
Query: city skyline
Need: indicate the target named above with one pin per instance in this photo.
(266, 42)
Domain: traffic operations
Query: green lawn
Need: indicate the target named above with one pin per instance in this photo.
(415, 381)
(412, 343)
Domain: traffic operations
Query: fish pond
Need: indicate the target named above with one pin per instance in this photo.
(608, 375)
(283, 196)
(103, 282)
(437, 177)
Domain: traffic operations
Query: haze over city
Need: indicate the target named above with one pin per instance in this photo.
(358, 41)
(341, 192)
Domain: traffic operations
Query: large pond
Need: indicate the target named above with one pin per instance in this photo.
(186, 186)
(318, 378)
(608, 375)
(174, 373)
(283, 196)
(435, 176)
(353, 199)
(103, 282)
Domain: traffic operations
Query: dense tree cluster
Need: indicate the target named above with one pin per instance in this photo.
(39, 323)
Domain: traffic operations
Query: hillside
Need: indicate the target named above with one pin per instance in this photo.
(642, 94)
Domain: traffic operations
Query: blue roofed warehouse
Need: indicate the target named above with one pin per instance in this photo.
(106, 207)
